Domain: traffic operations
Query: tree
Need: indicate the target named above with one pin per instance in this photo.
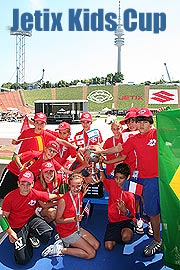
(115, 78)
(118, 77)
(109, 78)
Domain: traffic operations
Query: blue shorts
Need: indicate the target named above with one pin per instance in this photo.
(150, 195)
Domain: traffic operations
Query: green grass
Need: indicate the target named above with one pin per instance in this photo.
(5, 158)
(133, 94)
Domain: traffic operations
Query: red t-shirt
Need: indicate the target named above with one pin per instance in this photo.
(145, 146)
(36, 141)
(64, 153)
(116, 193)
(66, 229)
(22, 208)
(111, 142)
(130, 159)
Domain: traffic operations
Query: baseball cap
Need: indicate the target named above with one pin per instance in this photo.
(63, 125)
(47, 166)
(145, 112)
(40, 117)
(26, 176)
(86, 116)
(132, 109)
(130, 114)
(54, 145)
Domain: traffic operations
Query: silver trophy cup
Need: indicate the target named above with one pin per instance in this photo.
(93, 158)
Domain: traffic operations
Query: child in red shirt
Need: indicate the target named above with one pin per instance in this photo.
(19, 208)
(121, 208)
(77, 241)
(50, 182)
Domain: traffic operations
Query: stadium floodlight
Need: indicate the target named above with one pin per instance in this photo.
(20, 53)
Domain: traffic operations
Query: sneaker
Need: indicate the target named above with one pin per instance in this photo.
(152, 248)
(150, 230)
(139, 226)
(53, 250)
(35, 243)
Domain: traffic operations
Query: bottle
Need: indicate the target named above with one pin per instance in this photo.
(4, 225)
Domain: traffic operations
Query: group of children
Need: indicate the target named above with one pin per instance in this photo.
(45, 182)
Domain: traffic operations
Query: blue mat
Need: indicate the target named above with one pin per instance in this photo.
(125, 257)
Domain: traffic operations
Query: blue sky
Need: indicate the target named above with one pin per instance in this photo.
(78, 55)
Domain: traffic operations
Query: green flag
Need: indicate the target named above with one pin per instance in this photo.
(168, 129)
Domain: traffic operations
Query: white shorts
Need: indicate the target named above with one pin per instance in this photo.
(71, 239)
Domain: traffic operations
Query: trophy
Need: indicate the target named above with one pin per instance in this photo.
(92, 158)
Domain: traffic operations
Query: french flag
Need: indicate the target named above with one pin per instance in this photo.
(134, 187)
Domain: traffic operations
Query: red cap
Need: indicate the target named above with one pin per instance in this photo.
(40, 117)
(47, 166)
(131, 114)
(145, 112)
(86, 116)
(132, 109)
(54, 145)
(63, 125)
(26, 176)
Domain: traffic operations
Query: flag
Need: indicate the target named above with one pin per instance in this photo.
(93, 133)
(168, 131)
(134, 187)
(29, 163)
(87, 208)
(25, 124)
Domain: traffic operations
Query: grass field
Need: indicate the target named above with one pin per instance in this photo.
(128, 95)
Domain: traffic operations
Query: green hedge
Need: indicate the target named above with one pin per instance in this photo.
(132, 95)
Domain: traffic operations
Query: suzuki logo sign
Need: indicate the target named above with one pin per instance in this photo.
(161, 96)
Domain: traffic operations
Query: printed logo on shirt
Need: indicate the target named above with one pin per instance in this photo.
(80, 142)
(19, 244)
(32, 202)
(79, 137)
(48, 165)
(71, 140)
(152, 142)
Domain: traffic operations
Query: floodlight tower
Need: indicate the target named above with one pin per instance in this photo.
(20, 54)
(119, 40)
(167, 72)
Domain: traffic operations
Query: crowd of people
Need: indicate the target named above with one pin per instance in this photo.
(11, 116)
(43, 187)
